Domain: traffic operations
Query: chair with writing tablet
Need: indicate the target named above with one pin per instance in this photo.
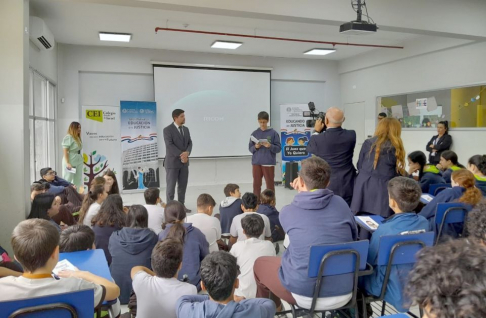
(435, 189)
(449, 219)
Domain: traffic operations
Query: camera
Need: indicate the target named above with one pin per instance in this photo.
(310, 123)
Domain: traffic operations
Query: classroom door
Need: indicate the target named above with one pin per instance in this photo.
(355, 120)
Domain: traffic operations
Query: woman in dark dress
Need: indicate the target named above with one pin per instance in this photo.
(381, 159)
(439, 143)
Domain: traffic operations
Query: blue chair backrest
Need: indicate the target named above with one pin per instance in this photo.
(453, 216)
(434, 189)
(406, 253)
(93, 261)
(340, 264)
(82, 301)
(396, 316)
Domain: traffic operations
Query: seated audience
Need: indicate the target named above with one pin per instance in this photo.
(131, 246)
(78, 237)
(58, 186)
(38, 188)
(65, 214)
(195, 245)
(36, 246)
(463, 190)
(404, 195)
(229, 207)
(158, 290)
(208, 224)
(449, 280)
(476, 223)
(249, 204)
(477, 165)
(109, 219)
(45, 206)
(247, 252)
(315, 217)
(448, 164)
(219, 273)
(428, 174)
(92, 203)
(267, 207)
(155, 212)
(111, 184)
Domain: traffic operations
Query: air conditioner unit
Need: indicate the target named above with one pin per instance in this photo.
(40, 34)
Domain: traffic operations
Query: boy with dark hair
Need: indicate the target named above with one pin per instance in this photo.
(158, 290)
(36, 246)
(404, 196)
(76, 238)
(229, 207)
(219, 273)
(249, 204)
(206, 222)
(155, 209)
(449, 280)
(264, 152)
(267, 207)
(247, 252)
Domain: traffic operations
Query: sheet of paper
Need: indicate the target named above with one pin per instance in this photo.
(253, 139)
(72, 170)
(427, 197)
(431, 104)
(397, 111)
(369, 222)
(64, 265)
(412, 109)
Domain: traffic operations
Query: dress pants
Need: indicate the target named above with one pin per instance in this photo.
(268, 173)
(179, 176)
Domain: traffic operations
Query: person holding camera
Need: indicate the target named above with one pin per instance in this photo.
(336, 147)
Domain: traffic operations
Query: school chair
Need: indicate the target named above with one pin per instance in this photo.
(78, 304)
(435, 189)
(397, 250)
(452, 215)
(330, 260)
(395, 316)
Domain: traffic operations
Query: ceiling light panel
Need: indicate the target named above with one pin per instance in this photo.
(115, 37)
(226, 45)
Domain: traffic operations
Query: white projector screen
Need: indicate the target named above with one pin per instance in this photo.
(221, 106)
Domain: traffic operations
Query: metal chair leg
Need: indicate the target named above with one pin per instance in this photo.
(383, 308)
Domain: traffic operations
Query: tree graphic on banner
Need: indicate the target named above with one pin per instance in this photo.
(94, 165)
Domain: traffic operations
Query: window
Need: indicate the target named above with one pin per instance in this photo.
(42, 116)
(463, 107)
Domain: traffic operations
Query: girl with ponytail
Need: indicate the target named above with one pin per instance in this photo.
(92, 203)
(463, 190)
(448, 164)
(428, 174)
(195, 245)
(477, 165)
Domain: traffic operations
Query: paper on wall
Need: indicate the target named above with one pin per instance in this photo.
(397, 111)
(412, 109)
(431, 104)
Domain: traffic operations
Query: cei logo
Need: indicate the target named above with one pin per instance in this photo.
(96, 115)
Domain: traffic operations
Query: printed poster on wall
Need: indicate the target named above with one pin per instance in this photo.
(140, 167)
(101, 141)
(294, 134)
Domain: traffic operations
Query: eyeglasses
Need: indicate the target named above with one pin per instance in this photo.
(52, 173)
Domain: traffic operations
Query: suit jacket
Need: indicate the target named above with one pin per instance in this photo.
(336, 146)
(175, 144)
(443, 144)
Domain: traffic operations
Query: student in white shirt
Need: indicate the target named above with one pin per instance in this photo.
(155, 208)
(158, 290)
(249, 204)
(208, 224)
(92, 203)
(246, 253)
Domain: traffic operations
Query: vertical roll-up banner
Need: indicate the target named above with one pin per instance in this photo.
(101, 141)
(294, 135)
(139, 150)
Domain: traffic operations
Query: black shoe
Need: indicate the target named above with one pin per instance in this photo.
(186, 210)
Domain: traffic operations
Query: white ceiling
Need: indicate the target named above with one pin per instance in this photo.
(79, 21)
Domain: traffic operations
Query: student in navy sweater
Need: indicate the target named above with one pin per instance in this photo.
(463, 190)
(428, 174)
(448, 164)
(264, 154)
(196, 246)
(477, 165)
(267, 207)
(315, 217)
(404, 196)
(229, 207)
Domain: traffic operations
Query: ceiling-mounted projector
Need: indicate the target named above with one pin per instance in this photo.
(359, 26)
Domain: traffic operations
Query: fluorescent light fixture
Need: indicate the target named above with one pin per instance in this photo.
(115, 37)
(226, 45)
(320, 51)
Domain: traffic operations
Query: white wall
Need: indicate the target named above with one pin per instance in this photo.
(461, 66)
(73, 59)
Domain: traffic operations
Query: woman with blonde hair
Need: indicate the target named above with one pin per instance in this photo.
(72, 160)
(381, 159)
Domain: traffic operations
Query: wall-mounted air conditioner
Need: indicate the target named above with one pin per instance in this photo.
(40, 34)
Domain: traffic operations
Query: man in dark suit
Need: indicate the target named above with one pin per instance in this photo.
(336, 147)
(178, 146)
